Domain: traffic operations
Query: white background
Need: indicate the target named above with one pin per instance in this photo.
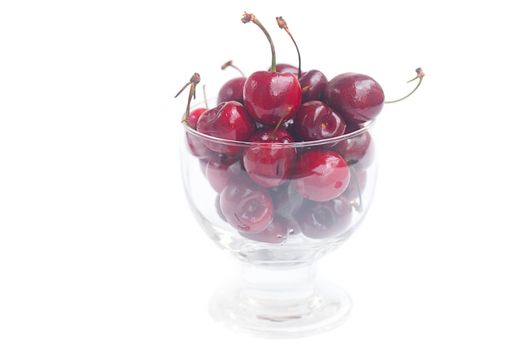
(98, 249)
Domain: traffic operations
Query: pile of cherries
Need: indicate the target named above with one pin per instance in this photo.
(274, 184)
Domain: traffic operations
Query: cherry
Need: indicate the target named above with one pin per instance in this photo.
(246, 207)
(313, 84)
(196, 147)
(321, 175)
(232, 90)
(220, 173)
(275, 232)
(355, 148)
(230, 121)
(320, 220)
(194, 116)
(353, 193)
(270, 97)
(356, 97)
(269, 161)
(286, 68)
(316, 121)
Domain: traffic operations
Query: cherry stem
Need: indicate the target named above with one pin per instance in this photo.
(420, 75)
(249, 17)
(230, 64)
(204, 95)
(194, 80)
(283, 25)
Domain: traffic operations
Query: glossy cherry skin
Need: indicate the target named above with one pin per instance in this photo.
(268, 163)
(358, 148)
(232, 91)
(286, 68)
(229, 121)
(321, 220)
(356, 97)
(272, 96)
(313, 84)
(194, 116)
(247, 207)
(195, 146)
(321, 175)
(275, 232)
(316, 121)
(220, 173)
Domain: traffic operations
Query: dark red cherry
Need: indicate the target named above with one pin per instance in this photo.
(275, 232)
(194, 116)
(355, 148)
(268, 163)
(354, 192)
(196, 147)
(286, 68)
(321, 175)
(316, 121)
(228, 121)
(246, 207)
(313, 84)
(356, 97)
(320, 220)
(232, 90)
(220, 173)
(271, 97)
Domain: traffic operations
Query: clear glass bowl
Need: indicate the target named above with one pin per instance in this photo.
(277, 294)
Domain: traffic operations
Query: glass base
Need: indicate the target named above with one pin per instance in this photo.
(273, 302)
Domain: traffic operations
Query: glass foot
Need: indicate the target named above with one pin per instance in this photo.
(274, 302)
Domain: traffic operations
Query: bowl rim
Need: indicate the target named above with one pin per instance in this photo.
(363, 129)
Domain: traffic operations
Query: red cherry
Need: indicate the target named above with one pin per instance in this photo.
(196, 147)
(221, 173)
(194, 116)
(286, 68)
(356, 97)
(313, 84)
(232, 91)
(268, 163)
(355, 148)
(321, 220)
(228, 121)
(321, 175)
(275, 232)
(246, 207)
(316, 121)
(271, 97)
(353, 193)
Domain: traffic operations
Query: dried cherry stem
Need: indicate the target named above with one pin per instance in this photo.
(194, 80)
(250, 17)
(282, 24)
(420, 75)
(230, 64)
(204, 95)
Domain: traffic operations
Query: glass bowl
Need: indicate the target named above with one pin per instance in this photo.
(278, 225)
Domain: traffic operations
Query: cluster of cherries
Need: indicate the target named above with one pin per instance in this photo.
(271, 185)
